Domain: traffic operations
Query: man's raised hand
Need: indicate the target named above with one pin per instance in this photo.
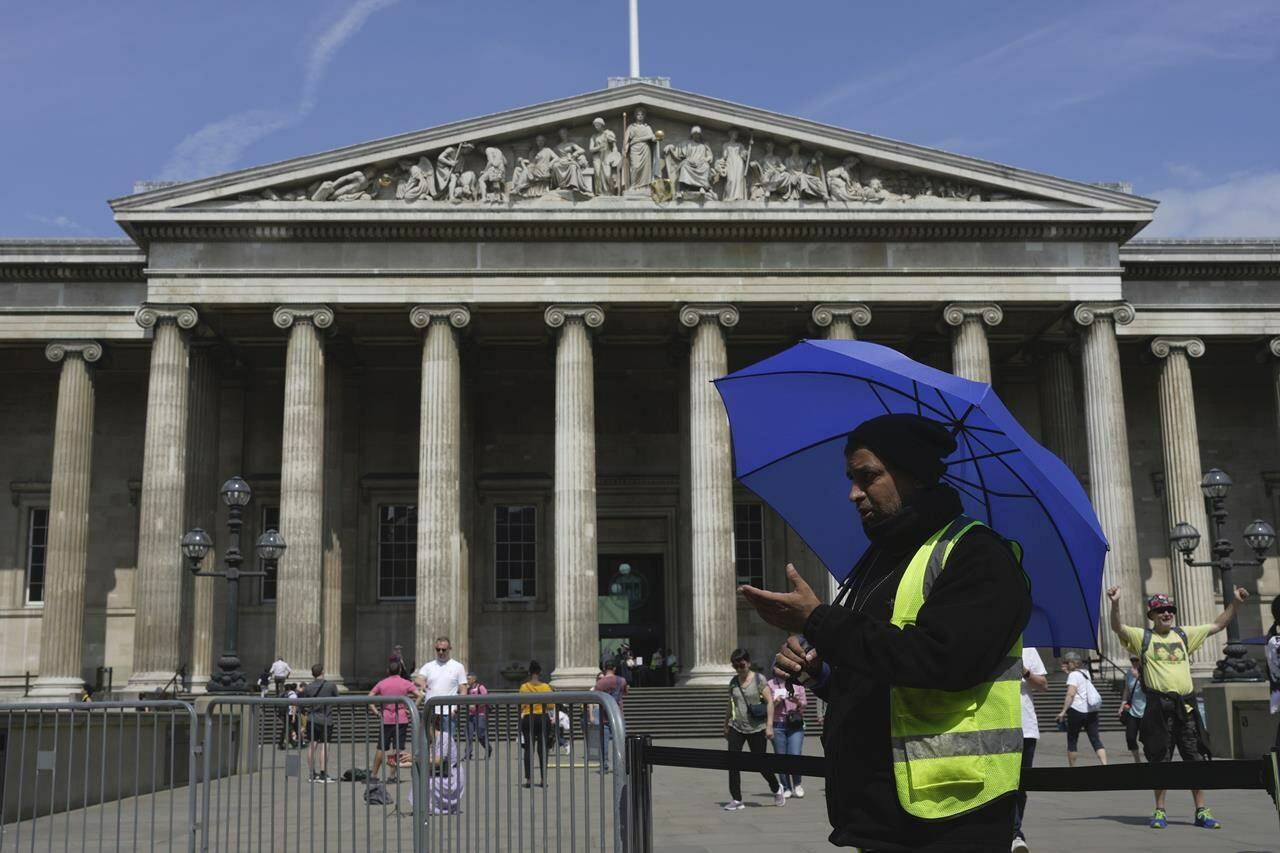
(1241, 595)
(785, 610)
(1114, 594)
(792, 658)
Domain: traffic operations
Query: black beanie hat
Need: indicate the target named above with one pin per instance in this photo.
(913, 443)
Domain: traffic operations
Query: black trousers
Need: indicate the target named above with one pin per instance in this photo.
(1132, 725)
(756, 743)
(1020, 801)
(534, 728)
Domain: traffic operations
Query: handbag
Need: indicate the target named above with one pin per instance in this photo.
(755, 710)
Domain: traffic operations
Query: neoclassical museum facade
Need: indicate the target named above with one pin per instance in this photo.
(466, 372)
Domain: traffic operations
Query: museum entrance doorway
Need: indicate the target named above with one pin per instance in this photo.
(632, 612)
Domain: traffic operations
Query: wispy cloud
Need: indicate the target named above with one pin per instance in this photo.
(1185, 171)
(1240, 206)
(217, 146)
(65, 223)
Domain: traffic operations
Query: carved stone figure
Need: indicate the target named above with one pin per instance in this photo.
(569, 164)
(802, 182)
(842, 181)
(452, 182)
(352, 186)
(689, 164)
(532, 177)
(637, 145)
(771, 176)
(492, 183)
(421, 183)
(732, 166)
(606, 160)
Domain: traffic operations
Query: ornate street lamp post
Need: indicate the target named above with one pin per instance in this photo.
(1236, 665)
(236, 494)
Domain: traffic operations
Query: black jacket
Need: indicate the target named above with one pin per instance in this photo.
(975, 612)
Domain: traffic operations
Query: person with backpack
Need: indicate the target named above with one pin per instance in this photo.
(1132, 707)
(319, 730)
(1080, 707)
(616, 686)
(1172, 717)
(750, 722)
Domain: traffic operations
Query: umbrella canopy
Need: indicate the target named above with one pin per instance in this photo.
(789, 415)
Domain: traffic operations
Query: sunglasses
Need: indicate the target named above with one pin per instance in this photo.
(442, 651)
(1160, 610)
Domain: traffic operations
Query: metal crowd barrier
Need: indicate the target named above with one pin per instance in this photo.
(98, 776)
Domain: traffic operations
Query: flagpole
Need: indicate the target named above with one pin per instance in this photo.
(635, 40)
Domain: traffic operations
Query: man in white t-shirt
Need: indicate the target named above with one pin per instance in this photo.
(444, 677)
(1034, 680)
(280, 670)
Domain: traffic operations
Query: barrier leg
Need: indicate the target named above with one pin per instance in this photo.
(639, 795)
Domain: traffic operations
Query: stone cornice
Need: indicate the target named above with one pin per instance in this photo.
(149, 315)
(320, 316)
(1161, 347)
(90, 351)
(726, 315)
(1121, 313)
(457, 316)
(824, 314)
(956, 313)
(1201, 271)
(592, 316)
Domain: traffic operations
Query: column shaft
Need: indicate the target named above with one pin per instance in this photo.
(1193, 589)
(201, 511)
(1059, 408)
(970, 355)
(62, 621)
(577, 622)
(331, 593)
(158, 580)
(299, 578)
(1110, 481)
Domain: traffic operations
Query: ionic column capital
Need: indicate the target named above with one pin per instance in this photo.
(726, 315)
(824, 314)
(457, 316)
(148, 315)
(320, 316)
(1121, 313)
(88, 350)
(957, 312)
(591, 316)
(1161, 347)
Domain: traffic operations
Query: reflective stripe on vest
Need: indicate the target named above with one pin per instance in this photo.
(953, 751)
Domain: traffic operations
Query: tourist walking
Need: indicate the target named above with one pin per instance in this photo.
(477, 718)
(1080, 707)
(319, 723)
(749, 721)
(1273, 664)
(1034, 680)
(280, 670)
(395, 720)
(1172, 717)
(535, 725)
(789, 702)
(1132, 707)
(616, 686)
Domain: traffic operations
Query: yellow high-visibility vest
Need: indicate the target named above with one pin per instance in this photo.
(953, 750)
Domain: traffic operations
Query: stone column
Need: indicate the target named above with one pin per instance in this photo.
(440, 570)
(577, 622)
(300, 576)
(1110, 481)
(1273, 346)
(62, 620)
(158, 580)
(840, 321)
(714, 605)
(202, 500)
(970, 356)
(1059, 408)
(331, 591)
(1193, 589)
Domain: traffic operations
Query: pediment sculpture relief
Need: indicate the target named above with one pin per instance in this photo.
(634, 159)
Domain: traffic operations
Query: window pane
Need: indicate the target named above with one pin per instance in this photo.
(37, 548)
(748, 543)
(397, 551)
(514, 551)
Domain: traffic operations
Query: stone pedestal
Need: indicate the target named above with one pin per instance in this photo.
(1193, 589)
(62, 621)
(300, 577)
(202, 500)
(577, 621)
(713, 576)
(970, 356)
(158, 582)
(1110, 482)
(441, 573)
(1221, 701)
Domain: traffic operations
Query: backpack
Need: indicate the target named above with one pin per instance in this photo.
(356, 775)
(1092, 698)
(376, 794)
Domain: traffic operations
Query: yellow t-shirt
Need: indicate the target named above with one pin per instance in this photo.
(1166, 665)
(530, 687)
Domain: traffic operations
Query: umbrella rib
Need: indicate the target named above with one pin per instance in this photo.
(993, 454)
(876, 391)
(986, 494)
(963, 486)
(854, 376)
(980, 487)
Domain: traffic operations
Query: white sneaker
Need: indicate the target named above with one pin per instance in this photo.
(734, 805)
(1019, 846)
(799, 792)
(786, 792)
(780, 799)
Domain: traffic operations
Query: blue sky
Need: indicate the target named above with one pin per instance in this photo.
(1179, 97)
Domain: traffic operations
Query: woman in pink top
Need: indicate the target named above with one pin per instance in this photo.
(789, 702)
(395, 717)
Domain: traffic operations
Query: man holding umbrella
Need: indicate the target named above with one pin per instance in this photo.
(919, 657)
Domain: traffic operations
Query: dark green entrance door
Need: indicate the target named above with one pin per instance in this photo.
(631, 605)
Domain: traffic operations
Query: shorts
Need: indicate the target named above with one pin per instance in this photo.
(1184, 735)
(1077, 721)
(317, 732)
(394, 735)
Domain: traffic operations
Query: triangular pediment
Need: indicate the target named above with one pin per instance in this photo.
(551, 154)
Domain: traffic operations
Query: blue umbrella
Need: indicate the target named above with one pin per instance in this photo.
(789, 415)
